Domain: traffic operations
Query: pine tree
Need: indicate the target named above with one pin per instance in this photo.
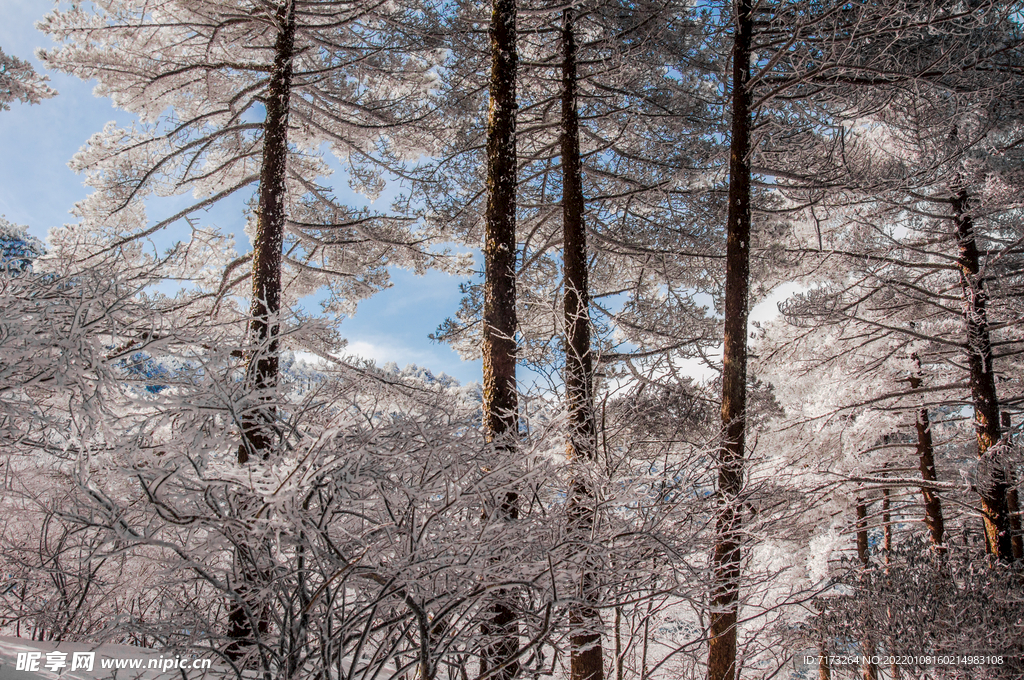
(202, 72)
(818, 69)
(727, 557)
(500, 326)
(236, 95)
(586, 653)
(20, 82)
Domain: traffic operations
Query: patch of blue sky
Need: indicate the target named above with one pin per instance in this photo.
(36, 186)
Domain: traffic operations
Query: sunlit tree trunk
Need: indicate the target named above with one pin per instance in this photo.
(261, 371)
(824, 668)
(586, 653)
(992, 484)
(500, 400)
(722, 634)
(261, 375)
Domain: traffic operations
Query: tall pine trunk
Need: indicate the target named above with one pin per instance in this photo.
(992, 484)
(262, 364)
(500, 400)
(586, 653)
(261, 374)
(869, 670)
(726, 560)
(261, 371)
(1012, 500)
(824, 668)
(926, 461)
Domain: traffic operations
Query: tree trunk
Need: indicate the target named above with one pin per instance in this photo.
(261, 371)
(886, 515)
(586, 653)
(619, 654)
(869, 670)
(862, 532)
(926, 460)
(727, 556)
(886, 526)
(824, 669)
(992, 484)
(1012, 500)
(500, 400)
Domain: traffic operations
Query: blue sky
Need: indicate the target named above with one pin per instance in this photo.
(37, 189)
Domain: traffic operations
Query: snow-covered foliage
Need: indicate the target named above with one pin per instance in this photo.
(20, 82)
(375, 537)
(914, 602)
(197, 76)
(18, 248)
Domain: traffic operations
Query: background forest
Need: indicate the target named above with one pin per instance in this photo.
(646, 483)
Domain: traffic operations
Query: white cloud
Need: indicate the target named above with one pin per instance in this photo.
(768, 309)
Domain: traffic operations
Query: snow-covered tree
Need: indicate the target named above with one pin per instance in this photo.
(20, 82)
(238, 97)
(932, 168)
(814, 70)
(18, 248)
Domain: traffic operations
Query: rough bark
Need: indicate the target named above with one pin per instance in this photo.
(579, 371)
(499, 344)
(886, 526)
(261, 371)
(869, 670)
(586, 652)
(824, 669)
(926, 461)
(1013, 501)
(727, 555)
(500, 399)
(499, 314)
(619, 655)
(261, 375)
(862, 532)
(992, 483)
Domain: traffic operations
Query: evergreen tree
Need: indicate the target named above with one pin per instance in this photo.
(19, 81)
(237, 95)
